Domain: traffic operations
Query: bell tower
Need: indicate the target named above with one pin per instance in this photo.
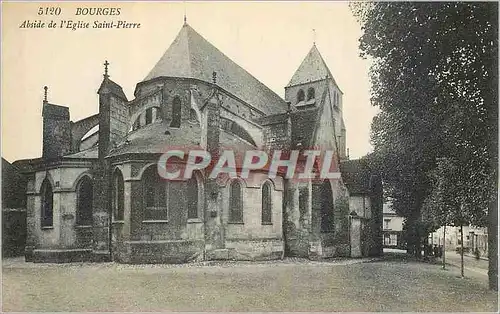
(313, 85)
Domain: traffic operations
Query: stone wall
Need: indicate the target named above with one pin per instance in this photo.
(252, 239)
(63, 241)
(56, 131)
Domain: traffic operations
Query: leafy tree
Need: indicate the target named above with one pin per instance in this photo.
(434, 78)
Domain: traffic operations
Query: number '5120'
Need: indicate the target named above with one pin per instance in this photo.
(49, 11)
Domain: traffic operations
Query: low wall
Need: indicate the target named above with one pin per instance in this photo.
(255, 249)
(162, 252)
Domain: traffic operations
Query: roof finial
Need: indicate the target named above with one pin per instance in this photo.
(185, 16)
(314, 36)
(214, 77)
(45, 88)
(106, 63)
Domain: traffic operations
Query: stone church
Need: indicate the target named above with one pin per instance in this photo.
(95, 194)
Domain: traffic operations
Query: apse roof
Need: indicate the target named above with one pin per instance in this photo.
(192, 56)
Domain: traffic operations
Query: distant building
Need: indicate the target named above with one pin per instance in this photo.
(392, 227)
(474, 238)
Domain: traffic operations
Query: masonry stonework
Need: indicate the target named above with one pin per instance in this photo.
(195, 97)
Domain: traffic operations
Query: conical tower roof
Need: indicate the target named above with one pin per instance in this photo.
(313, 68)
(192, 56)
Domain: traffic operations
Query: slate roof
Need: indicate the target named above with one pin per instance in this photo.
(54, 111)
(152, 139)
(113, 87)
(272, 119)
(303, 126)
(356, 175)
(233, 142)
(313, 68)
(91, 153)
(192, 56)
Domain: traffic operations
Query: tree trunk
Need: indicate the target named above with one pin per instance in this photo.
(493, 120)
(493, 244)
(462, 251)
(444, 247)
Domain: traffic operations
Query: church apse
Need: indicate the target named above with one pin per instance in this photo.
(108, 201)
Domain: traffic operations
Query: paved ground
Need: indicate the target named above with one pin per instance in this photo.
(471, 264)
(392, 284)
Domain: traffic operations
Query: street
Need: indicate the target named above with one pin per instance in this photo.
(471, 264)
(389, 284)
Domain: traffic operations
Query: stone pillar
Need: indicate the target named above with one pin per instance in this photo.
(355, 236)
(113, 115)
(315, 245)
(297, 218)
(30, 219)
(101, 213)
(214, 229)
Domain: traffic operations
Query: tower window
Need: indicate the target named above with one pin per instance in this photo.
(310, 93)
(176, 113)
(300, 96)
(192, 115)
(149, 116)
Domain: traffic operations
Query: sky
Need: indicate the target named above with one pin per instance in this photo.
(268, 39)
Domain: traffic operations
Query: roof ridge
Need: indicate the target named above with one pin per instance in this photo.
(197, 58)
(300, 65)
(303, 73)
(188, 27)
(231, 60)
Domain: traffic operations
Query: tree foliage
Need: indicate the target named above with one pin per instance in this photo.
(434, 78)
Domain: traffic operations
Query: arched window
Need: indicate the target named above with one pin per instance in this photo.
(176, 113)
(47, 210)
(192, 198)
(149, 116)
(118, 197)
(192, 115)
(310, 93)
(155, 191)
(235, 203)
(84, 202)
(267, 212)
(300, 96)
(146, 117)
